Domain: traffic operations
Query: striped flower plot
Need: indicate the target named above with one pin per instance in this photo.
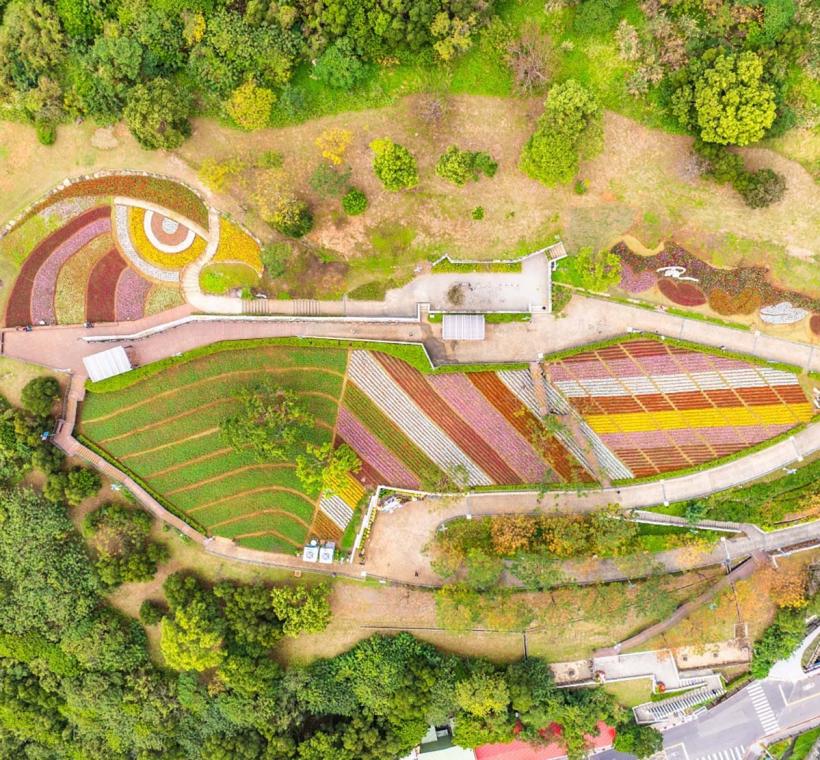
(661, 407)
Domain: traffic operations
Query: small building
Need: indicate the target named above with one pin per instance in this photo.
(326, 553)
(462, 327)
(105, 364)
(310, 553)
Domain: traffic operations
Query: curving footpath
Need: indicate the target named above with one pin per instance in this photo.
(167, 334)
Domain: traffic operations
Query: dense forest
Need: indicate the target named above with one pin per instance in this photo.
(728, 72)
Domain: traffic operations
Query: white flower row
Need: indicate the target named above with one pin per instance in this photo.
(375, 381)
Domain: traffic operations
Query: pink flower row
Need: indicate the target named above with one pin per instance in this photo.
(373, 452)
(45, 281)
(490, 424)
(132, 290)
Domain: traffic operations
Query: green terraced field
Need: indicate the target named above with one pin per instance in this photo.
(165, 429)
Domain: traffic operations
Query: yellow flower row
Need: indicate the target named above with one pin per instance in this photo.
(236, 245)
(146, 249)
(633, 422)
(350, 491)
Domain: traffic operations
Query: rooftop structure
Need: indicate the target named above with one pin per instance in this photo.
(105, 364)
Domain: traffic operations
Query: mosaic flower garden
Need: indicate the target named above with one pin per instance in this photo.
(112, 248)
(643, 406)
(685, 280)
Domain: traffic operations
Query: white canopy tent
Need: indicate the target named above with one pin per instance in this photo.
(109, 363)
(462, 327)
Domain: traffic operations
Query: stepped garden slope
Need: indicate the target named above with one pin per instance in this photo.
(649, 407)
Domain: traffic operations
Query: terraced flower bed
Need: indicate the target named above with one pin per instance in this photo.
(661, 408)
(644, 407)
(166, 430)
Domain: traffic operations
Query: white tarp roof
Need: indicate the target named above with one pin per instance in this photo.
(105, 364)
(462, 327)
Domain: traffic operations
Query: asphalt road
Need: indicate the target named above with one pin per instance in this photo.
(733, 729)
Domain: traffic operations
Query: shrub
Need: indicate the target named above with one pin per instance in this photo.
(354, 202)
(328, 182)
(339, 67)
(477, 213)
(39, 395)
(215, 174)
(333, 143)
(593, 17)
(460, 166)
(761, 188)
(291, 216)
(250, 106)
(394, 165)
(274, 258)
(270, 159)
(46, 133)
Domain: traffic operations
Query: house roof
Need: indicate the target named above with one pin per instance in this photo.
(518, 750)
(104, 364)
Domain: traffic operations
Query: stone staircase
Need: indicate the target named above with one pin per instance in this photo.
(305, 307)
(680, 707)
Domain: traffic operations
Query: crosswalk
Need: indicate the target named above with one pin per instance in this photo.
(762, 707)
(733, 753)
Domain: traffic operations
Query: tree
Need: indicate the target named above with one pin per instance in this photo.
(642, 741)
(270, 421)
(250, 105)
(39, 395)
(333, 144)
(302, 609)
(157, 114)
(568, 130)
(120, 541)
(512, 533)
(324, 469)
(80, 484)
(290, 215)
(394, 165)
(734, 106)
(482, 694)
(31, 44)
(191, 640)
(339, 66)
(528, 58)
(538, 573)
(250, 615)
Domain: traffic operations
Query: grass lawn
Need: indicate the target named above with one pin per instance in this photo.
(631, 693)
(165, 428)
(221, 277)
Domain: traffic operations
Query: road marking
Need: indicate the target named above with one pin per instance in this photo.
(764, 711)
(732, 753)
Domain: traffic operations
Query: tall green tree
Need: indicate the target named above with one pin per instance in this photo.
(157, 114)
